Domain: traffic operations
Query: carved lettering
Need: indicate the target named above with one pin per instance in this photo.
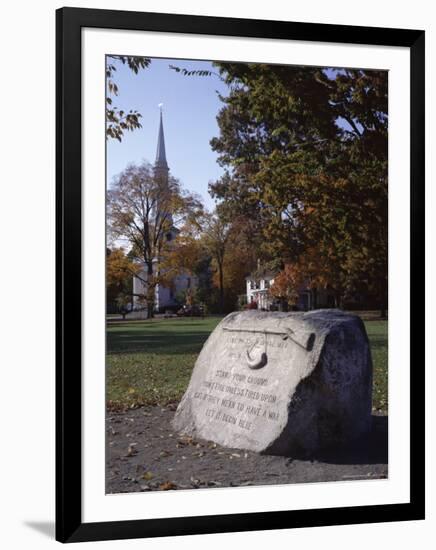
(240, 398)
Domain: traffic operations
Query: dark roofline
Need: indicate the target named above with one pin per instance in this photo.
(261, 275)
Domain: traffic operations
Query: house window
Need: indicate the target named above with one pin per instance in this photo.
(254, 285)
(266, 284)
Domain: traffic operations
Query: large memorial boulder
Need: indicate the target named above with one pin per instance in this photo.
(281, 383)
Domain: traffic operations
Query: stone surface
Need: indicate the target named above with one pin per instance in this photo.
(281, 383)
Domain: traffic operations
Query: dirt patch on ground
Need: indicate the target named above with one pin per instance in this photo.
(144, 453)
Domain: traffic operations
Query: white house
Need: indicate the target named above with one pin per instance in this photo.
(164, 297)
(258, 285)
(260, 281)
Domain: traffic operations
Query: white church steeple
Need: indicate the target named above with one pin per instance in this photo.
(165, 297)
(161, 165)
(161, 173)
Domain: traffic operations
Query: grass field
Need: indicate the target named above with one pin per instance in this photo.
(150, 362)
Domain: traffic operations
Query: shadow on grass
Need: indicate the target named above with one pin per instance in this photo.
(152, 325)
(188, 339)
(378, 343)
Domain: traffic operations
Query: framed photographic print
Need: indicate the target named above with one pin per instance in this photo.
(240, 274)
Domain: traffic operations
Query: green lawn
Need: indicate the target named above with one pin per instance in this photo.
(378, 338)
(150, 362)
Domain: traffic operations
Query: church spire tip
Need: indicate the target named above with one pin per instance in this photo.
(161, 158)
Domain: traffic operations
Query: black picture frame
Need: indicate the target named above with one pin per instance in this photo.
(69, 525)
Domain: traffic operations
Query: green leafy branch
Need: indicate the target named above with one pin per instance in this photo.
(198, 72)
(117, 120)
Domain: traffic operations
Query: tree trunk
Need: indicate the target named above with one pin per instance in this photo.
(314, 303)
(150, 291)
(221, 287)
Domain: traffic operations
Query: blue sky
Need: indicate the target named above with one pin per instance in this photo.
(190, 106)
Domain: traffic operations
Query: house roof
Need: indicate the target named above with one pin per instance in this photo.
(261, 273)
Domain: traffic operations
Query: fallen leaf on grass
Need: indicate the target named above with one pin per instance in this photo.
(186, 440)
(131, 451)
(165, 453)
(147, 476)
(195, 482)
(167, 485)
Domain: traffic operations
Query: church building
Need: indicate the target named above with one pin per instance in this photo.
(166, 298)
